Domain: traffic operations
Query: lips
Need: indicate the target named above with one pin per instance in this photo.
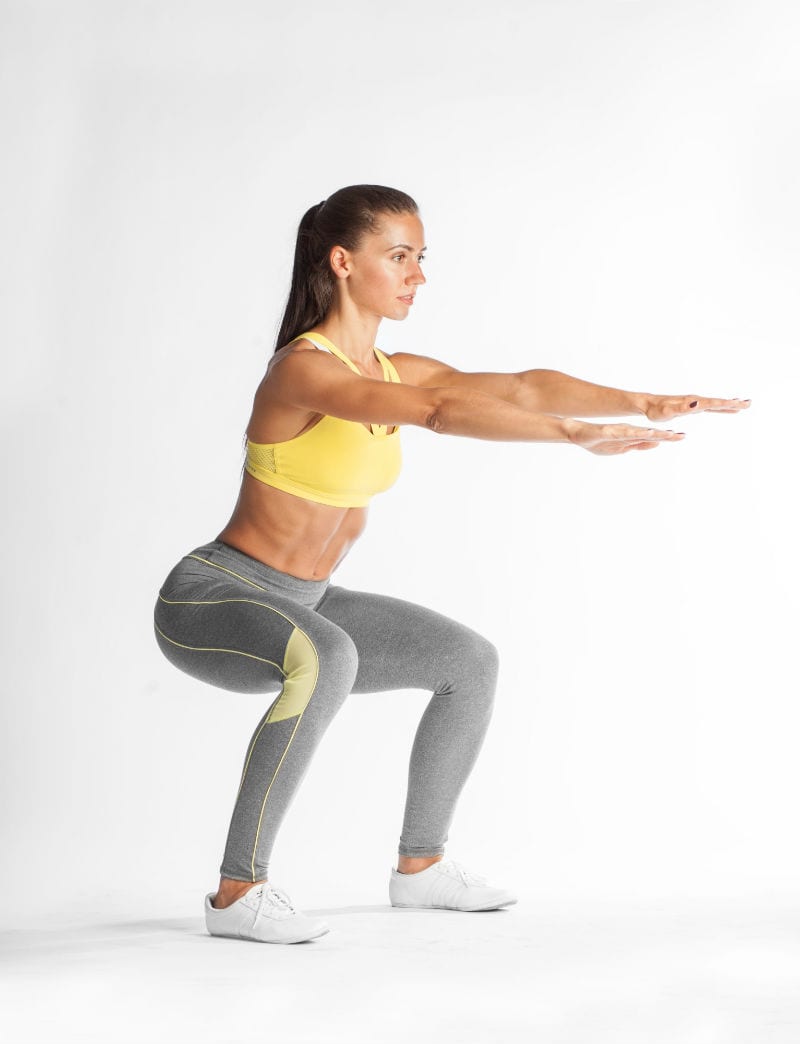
(409, 298)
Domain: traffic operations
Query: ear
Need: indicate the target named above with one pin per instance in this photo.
(340, 262)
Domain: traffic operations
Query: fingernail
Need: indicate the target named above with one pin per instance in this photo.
(691, 404)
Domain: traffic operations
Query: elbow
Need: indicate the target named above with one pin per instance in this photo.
(434, 421)
(436, 410)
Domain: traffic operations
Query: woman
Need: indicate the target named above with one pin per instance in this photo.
(255, 611)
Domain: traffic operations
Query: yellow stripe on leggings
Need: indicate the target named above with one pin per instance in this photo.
(224, 570)
(211, 648)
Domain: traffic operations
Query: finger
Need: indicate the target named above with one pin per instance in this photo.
(631, 432)
(617, 449)
(655, 435)
(730, 406)
(718, 405)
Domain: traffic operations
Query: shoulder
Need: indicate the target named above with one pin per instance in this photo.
(300, 345)
(295, 350)
(422, 370)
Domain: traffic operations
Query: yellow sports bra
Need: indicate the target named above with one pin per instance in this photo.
(337, 461)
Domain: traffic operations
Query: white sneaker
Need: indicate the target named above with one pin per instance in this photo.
(446, 885)
(263, 914)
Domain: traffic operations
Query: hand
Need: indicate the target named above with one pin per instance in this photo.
(665, 407)
(609, 439)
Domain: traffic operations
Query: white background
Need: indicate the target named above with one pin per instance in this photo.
(608, 189)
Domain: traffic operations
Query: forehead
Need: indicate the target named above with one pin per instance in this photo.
(399, 228)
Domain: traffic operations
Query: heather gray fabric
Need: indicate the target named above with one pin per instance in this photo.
(238, 624)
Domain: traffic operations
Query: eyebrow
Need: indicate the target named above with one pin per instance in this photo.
(405, 246)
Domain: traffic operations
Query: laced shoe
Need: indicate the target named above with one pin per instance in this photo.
(447, 885)
(263, 914)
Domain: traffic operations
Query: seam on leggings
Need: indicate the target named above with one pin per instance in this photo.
(238, 575)
(211, 648)
(221, 601)
(266, 793)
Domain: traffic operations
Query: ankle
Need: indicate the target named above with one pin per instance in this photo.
(230, 891)
(414, 864)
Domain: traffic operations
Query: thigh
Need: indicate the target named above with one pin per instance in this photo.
(402, 645)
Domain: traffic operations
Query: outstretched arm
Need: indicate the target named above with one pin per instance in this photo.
(559, 394)
(314, 382)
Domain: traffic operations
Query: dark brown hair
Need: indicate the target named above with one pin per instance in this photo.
(340, 220)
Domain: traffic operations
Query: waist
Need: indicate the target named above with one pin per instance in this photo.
(237, 562)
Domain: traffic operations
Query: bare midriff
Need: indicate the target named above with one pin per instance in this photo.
(290, 533)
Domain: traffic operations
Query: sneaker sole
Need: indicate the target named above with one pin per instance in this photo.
(456, 909)
(249, 938)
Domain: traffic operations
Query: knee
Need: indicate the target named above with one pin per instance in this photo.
(337, 662)
(319, 674)
(485, 660)
(474, 662)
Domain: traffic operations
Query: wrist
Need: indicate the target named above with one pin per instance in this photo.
(571, 429)
(640, 403)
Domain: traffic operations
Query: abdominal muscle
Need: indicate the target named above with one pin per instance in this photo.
(290, 533)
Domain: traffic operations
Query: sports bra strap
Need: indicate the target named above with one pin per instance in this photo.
(322, 342)
(389, 372)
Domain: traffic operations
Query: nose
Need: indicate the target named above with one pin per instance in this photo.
(416, 278)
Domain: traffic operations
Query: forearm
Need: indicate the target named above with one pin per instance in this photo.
(478, 415)
(556, 393)
(459, 411)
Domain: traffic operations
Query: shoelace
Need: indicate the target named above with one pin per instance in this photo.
(467, 877)
(272, 895)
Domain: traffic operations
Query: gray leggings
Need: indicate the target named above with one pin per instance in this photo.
(236, 623)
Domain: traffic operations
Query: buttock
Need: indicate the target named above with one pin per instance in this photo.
(215, 622)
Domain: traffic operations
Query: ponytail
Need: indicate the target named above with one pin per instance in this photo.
(340, 220)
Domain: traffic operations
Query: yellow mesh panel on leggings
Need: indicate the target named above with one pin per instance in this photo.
(300, 667)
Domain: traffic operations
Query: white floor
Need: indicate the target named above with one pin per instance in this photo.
(688, 973)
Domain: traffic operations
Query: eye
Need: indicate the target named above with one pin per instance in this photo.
(402, 257)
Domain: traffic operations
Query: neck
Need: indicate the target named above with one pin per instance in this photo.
(353, 334)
